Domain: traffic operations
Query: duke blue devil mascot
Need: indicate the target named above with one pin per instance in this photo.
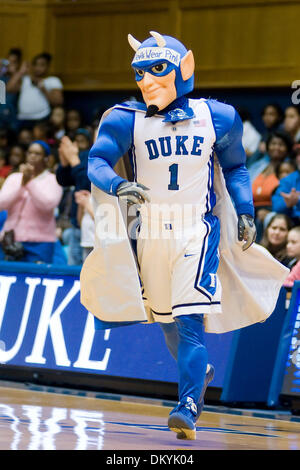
(191, 184)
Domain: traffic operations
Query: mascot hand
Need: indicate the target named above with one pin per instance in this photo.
(133, 193)
(246, 230)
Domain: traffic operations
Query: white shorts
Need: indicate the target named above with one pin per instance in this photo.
(179, 269)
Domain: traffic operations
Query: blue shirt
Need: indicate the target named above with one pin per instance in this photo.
(286, 185)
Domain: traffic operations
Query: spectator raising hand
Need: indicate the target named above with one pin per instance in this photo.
(14, 84)
(28, 173)
(291, 198)
(72, 173)
(285, 200)
(68, 152)
(38, 90)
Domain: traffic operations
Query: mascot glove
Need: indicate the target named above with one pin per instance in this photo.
(133, 193)
(246, 230)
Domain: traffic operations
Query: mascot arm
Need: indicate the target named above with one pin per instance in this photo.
(231, 154)
(113, 141)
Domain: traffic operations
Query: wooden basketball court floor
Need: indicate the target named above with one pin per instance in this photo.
(35, 419)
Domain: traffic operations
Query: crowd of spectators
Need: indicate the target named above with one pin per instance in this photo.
(45, 199)
(274, 168)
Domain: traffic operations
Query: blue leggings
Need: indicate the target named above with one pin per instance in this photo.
(185, 341)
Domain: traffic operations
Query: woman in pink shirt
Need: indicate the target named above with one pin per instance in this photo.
(30, 197)
(293, 250)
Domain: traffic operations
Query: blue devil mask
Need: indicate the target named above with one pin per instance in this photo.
(164, 69)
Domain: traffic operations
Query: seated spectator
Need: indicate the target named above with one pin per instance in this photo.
(4, 167)
(285, 200)
(8, 111)
(265, 183)
(42, 130)
(30, 197)
(293, 251)
(72, 172)
(85, 218)
(16, 157)
(6, 138)
(278, 143)
(285, 168)
(53, 161)
(25, 137)
(38, 92)
(58, 121)
(83, 139)
(74, 121)
(272, 117)
(63, 220)
(7, 164)
(291, 122)
(251, 137)
(275, 237)
(96, 117)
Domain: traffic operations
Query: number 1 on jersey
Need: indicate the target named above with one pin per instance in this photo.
(173, 169)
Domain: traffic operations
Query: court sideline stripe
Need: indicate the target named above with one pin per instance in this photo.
(266, 414)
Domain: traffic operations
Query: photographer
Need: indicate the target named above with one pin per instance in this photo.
(38, 91)
(30, 197)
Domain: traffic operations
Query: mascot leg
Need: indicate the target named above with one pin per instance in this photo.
(170, 332)
(194, 373)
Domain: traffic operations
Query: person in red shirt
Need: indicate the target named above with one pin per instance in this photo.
(4, 167)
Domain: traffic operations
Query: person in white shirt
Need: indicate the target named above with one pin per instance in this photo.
(251, 137)
(38, 91)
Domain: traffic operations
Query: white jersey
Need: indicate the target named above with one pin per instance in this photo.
(175, 161)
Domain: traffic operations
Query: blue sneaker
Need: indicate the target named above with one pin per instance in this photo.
(183, 434)
(182, 419)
